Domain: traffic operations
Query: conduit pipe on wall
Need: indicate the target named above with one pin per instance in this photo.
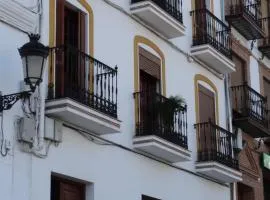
(188, 56)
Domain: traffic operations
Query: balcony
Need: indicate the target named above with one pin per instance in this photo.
(84, 93)
(161, 128)
(244, 16)
(163, 15)
(211, 41)
(264, 43)
(215, 153)
(250, 111)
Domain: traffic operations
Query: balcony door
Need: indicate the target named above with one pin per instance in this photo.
(206, 114)
(149, 66)
(206, 105)
(70, 61)
(203, 22)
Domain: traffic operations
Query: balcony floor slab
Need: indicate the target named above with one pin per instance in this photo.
(219, 172)
(72, 112)
(161, 148)
(159, 19)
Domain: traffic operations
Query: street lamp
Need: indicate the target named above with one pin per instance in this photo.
(33, 55)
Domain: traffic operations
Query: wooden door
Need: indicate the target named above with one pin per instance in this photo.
(200, 4)
(70, 62)
(201, 21)
(148, 88)
(208, 137)
(71, 191)
(64, 189)
(206, 105)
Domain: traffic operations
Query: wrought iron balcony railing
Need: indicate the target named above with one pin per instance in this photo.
(251, 7)
(208, 29)
(160, 116)
(264, 43)
(172, 7)
(83, 79)
(247, 103)
(245, 16)
(215, 144)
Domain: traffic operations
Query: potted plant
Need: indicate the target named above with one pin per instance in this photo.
(168, 109)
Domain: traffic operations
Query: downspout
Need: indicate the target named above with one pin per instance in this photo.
(228, 106)
(228, 109)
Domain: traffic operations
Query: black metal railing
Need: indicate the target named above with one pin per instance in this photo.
(215, 144)
(252, 8)
(172, 7)
(160, 116)
(84, 79)
(246, 102)
(265, 42)
(208, 29)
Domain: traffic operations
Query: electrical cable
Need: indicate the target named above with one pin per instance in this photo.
(108, 142)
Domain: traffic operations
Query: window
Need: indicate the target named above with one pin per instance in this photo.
(63, 189)
(240, 75)
(150, 71)
(144, 197)
(206, 105)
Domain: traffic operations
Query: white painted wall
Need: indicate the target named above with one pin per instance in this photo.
(115, 173)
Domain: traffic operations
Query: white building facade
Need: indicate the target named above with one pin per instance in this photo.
(105, 123)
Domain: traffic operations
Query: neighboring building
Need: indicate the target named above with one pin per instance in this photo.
(135, 100)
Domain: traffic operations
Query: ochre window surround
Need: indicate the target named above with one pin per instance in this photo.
(52, 33)
(200, 78)
(142, 40)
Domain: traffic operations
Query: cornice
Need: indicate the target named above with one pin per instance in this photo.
(18, 16)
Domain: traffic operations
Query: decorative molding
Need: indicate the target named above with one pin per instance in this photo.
(18, 16)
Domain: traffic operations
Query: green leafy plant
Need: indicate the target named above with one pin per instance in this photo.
(168, 109)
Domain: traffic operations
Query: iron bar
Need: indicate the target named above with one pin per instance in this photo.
(215, 144)
(85, 79)
(157, 115)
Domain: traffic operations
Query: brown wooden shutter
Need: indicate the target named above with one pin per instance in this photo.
(149, 63)
(240, 75)
(82, 61)
(59, 64)
(266, 88)
(206, 105)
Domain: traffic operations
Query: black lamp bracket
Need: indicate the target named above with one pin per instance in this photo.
(7, 101)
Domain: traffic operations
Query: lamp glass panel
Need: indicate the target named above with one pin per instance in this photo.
(35, 66)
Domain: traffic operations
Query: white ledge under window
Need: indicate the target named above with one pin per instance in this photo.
(17, 16)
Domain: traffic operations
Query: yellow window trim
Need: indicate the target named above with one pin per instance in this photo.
(52, 35)
(142, 40)
(197, 78)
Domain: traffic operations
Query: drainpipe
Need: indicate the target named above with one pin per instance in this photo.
(228, 109)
